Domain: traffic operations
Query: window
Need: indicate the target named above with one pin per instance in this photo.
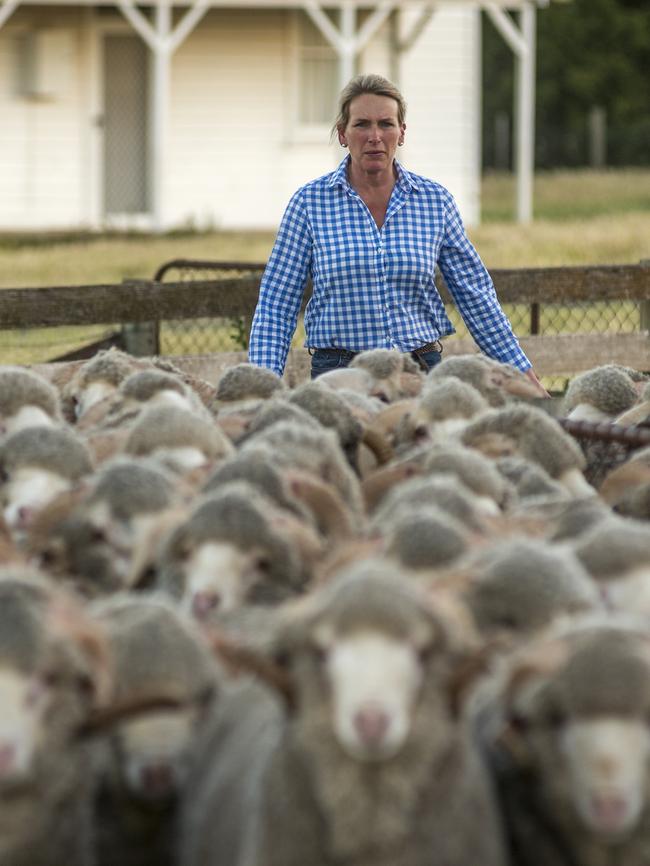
(318, 74)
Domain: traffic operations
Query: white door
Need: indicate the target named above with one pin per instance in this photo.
(126, 180)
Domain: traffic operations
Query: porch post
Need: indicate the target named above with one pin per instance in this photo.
(522, 42)
(348, 44)
(160, 112)
(525, 100)
(6, 9)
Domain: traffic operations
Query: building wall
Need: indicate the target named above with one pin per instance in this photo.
(235, 151)
(440, 78)
(42, 135)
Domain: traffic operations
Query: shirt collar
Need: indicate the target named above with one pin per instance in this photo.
(339, 177)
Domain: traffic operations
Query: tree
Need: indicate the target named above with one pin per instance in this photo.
(589, 53)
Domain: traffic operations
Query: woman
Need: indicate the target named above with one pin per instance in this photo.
(370, 235)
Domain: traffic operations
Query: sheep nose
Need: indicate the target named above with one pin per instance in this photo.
(157, 780)
(204, 602)
(24, 517)
(371, 723)
(7, 757)
(610, 810)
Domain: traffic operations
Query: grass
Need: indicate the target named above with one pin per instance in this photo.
(570, 195)
(581, 217)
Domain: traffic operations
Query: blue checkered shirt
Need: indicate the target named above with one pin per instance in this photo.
(374, 288)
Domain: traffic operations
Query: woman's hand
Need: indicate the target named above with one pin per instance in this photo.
(530, 374)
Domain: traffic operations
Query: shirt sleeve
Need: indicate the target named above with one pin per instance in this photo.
(281, 289)
(473, 293)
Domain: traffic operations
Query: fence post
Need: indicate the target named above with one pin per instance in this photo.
(141, 338)
(644, 306)
(597, 124)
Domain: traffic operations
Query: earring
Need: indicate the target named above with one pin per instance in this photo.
(343, 144)
(400, 142)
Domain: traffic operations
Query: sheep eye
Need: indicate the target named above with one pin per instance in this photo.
(320, 655)
(183, 551)
(205, 698)
(283, 659)
(425, 652)
(519, 723)
(47, 558)
(97, 536)
(85, 685)
(51, 679)
(555, 718)
(263, 564)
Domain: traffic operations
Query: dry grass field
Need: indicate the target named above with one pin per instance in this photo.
(581, 217)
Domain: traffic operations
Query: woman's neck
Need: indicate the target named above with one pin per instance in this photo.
(372, 182)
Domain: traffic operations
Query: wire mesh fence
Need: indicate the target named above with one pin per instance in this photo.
(204, 335)
(606, 446)
(569, 319)
(201, 336)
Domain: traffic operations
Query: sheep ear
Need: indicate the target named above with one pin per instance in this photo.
(272, 669)
(470, 666)
(509, 748)
(67, 620)
(410, 382)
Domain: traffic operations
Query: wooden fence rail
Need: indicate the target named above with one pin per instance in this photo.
(136, 301)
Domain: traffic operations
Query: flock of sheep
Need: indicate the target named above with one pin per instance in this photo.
(379, 619)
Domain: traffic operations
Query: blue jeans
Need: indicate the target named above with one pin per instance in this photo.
(324, 360)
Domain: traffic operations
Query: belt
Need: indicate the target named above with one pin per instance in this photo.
(435, 346)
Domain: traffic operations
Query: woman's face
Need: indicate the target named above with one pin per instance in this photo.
(373, 132)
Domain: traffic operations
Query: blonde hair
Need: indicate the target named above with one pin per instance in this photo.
(375, 84)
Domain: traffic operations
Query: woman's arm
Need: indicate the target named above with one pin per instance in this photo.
(281, 289)
(474, 295)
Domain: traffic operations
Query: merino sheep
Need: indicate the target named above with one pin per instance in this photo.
(521, 585)
(441, 491)
(36, 464)
(26, 400)
(530, 480)
(496, 382)
(53, 674)
(143, 388)
(627, 487)
(426, 538)
(475, 471)
(566, 730)
(157, 654)
(532, 434)
(395, 374)
(332, 412)
(640, 412)
(96, 379)
(374, 764)
(97, 537)
(446, 405)
(616, 552)
(245, 382)
(229, 552)
(315, 450)
(178, 438)
(599, 394)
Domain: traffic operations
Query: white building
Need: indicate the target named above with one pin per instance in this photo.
(212, 113)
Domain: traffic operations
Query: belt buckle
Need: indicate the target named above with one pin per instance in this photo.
(434, 346)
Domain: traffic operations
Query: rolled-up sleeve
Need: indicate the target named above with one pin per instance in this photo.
(473, 293)
(281, 289)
